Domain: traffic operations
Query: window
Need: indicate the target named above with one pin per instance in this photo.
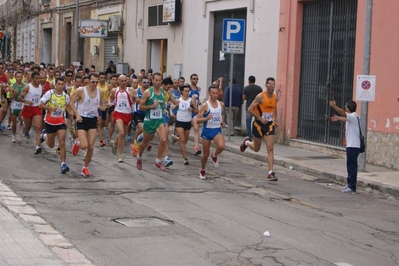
(155, 16)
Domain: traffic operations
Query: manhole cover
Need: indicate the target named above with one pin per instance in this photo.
(143, 221)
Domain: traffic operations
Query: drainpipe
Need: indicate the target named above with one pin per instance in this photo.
(57, 36)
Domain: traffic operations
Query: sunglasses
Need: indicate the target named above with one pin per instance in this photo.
(69, 76)
(195, 78)
(146, 82)
(94, 81)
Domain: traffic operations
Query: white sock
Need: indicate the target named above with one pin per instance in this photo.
(270, 172)
(157, 160)
(246, 142)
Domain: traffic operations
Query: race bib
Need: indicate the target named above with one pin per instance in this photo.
(156, 113)
(267, 116)
(17, 105)
(122, 105)
(216, 118)
(183, 106)
(57, 113)
(90, 114)
(35, 99)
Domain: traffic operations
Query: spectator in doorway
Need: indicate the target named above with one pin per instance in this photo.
(235, 104)
(109, 66)
(249, 95)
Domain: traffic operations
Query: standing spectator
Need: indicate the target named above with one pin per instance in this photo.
(235, 104)
(249, 94)
(352, 141)
(109, 65)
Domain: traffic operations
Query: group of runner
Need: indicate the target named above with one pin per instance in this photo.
(146, 101)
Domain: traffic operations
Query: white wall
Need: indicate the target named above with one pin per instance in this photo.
(261, 38)
(136, 43)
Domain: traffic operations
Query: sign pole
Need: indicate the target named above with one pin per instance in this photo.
(230, 120)
(6, 35)
(366, 71)
(75, 56)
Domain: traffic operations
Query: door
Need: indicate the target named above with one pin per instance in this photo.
(110, 51)
(327, 67)
(47, 46)
(68, 43)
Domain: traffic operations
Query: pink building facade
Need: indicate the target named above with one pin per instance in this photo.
(319, 56)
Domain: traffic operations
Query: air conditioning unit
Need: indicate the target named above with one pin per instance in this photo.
(115, 23)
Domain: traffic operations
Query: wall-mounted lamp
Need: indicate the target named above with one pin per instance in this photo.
(95, 49)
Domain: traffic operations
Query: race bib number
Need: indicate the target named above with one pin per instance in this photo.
(183, 106)
(122, 105)
(35, 100)
(90, 114)
(267, 116)
(216, 118)
(57, 113)
(17, 105)
(156, 113)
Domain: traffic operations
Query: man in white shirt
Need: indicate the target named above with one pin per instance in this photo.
(352, 141)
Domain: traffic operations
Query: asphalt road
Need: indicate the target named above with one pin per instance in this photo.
(174, 218)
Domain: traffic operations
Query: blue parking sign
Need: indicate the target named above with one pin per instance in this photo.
(233, 30)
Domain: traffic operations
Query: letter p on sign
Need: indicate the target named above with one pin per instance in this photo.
(233, 30)
(233, 27)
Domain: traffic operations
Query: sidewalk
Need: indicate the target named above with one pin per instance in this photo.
(320, 164)
(27, 239)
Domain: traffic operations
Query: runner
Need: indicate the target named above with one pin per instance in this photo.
(153, 104)
(16, 106)
(88, 99)
(4, 83)
(55, 102)
(111, 104)
(212, 115)
(123, 98)
(263, 108)
(183, 120)
(195, 94)
(103, 111)
(31, 112)
(138, 116)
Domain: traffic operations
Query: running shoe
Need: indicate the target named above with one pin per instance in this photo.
(243, 146)
(185, 161)
(172, 139)
(44, 132)
(272, 177)
(85, 172)
(121, 158)
(58, 150)
(2, 127)
(167, 162)
(64, 168)
(140, 138)
(201, 175)
(344, 188)
(38, 150)
(113, 148)
(215, 160)
(102, 144)
(107, 141)
(9, 127)
(197, 151)
(27, 135)
(149, 147)
(13, 139)
(349, 191)
(139, 164)
(75, 147)
(128, 138)
(160, 166)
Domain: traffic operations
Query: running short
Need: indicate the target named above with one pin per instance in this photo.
(111, 109)
(87, 123)
(150, 126)
(138, 118)
(103, 113)
(259, 130)
(210, 133)
(28, 112)
(51, 129)
(184, 125)
(126, 118)
(16, 112)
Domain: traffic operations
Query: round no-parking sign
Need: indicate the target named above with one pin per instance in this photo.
(365, 88)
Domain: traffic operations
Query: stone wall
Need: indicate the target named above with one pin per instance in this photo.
(383, 149)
